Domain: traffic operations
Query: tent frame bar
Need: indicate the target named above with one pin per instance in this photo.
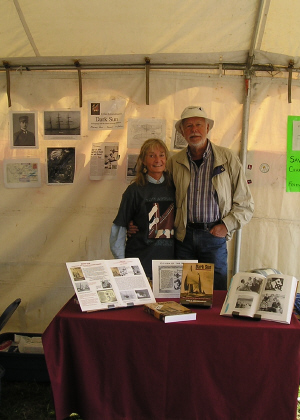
(146, 65)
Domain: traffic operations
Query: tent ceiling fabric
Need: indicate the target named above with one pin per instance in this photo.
(168, 31)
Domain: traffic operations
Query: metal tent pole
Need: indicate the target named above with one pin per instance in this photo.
(243, 157)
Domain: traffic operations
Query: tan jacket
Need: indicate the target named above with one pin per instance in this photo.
(234, 197)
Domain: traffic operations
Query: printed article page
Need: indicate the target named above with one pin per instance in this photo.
(108, 284)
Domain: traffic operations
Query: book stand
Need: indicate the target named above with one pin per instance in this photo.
(256, 317)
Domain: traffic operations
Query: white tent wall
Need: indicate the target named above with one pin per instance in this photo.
(42, 228)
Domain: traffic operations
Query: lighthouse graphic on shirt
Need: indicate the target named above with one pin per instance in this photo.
(161, 219)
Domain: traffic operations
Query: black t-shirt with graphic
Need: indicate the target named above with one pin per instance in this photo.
(152, 209)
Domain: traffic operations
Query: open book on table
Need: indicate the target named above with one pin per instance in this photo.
(109, 284)
(256, 296)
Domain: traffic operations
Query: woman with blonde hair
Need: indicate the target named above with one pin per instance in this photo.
(149, 203)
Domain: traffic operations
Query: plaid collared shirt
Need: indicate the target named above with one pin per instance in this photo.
(202, 198)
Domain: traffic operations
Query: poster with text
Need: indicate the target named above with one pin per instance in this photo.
(293, 155)
(104, 161)
(106, 115)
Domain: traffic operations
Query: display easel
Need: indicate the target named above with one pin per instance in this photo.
(256, 317)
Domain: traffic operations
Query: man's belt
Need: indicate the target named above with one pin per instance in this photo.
(203, 226)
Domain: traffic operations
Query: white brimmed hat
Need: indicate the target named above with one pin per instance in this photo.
(193, 111)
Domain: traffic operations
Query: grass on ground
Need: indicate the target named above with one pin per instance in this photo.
(27, 401)
(33, 401)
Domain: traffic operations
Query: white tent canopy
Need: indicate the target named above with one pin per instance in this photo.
(198, 52)
(168, 31)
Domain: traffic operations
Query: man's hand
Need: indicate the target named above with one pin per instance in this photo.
(219, 230)
(131, 229)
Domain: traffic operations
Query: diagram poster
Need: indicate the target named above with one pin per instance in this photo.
(293, 154)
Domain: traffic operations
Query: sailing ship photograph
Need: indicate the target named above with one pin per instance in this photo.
(62, 124)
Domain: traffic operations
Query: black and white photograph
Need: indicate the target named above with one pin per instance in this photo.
(106, 284)
(244, 302)
(131, 166)
(272, 303)
(60, 165)
(136, 270)
(274, 283)
(250, 284)
(142, 294)
(127, 294)
(24, 132)
(111, 157)
(62, 125)
(83, 286)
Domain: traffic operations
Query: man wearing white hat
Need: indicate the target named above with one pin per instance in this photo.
(213, 198)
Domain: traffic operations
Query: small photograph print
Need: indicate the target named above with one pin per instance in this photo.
(177, 283)
(274, 283)
(250, 284)
(62, 125)
(136, 270)
(272, 303)
(106, 284)
(244, 302)
(107, 296)
(95, 108)
(77, 273)
(60, 165)
(82, 287)
(23, 130)
(142, 294)
(119, 271)
(131, 166)
(127, 295)
(111, 157)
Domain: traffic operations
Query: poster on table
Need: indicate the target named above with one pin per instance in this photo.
(293, 155)
(106, 115)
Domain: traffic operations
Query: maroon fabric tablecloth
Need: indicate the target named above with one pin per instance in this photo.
(125, 364)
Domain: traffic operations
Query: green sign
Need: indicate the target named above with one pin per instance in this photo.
(293, 155)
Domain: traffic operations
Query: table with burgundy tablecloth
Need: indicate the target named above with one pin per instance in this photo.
(125, 364)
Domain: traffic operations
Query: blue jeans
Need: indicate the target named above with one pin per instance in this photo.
(201, 245)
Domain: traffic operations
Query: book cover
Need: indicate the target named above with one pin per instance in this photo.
(170, 311)
(166, 278)
(197, 284)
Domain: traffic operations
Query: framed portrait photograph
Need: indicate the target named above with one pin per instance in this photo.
(62, 125)
(60, 165)
(22, 173)
(24, 130)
